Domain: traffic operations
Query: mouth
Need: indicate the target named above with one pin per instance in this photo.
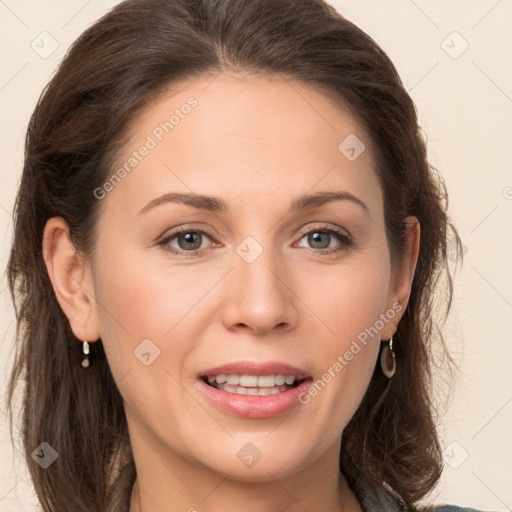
(252, 378)
(254, 390)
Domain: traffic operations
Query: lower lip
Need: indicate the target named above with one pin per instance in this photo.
(255, 406)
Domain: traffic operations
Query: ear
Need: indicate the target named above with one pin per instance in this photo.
(71, 279)
(402, 277)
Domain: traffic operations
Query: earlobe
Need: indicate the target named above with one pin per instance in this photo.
(71, 279)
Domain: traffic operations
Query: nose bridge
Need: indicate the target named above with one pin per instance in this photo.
(259, 297)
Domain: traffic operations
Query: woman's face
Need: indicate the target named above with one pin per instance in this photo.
(269, 285)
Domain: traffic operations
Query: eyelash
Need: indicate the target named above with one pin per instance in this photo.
(337, 233)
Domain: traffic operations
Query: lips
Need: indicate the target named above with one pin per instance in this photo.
(254, 390)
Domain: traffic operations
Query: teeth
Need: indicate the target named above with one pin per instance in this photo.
(249, 381)
(253, 381)
(280, 380)
(234, 380)
(265, 381)
(241, 390)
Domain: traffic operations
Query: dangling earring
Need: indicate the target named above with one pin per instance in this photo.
(85, 361)
(387, 359)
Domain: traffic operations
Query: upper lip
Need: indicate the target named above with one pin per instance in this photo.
(255, 368)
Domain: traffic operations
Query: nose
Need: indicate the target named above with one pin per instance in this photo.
(259, 295)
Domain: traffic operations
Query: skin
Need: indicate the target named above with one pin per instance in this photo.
(257, 144)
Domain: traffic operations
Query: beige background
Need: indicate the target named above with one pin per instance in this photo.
(465, 104)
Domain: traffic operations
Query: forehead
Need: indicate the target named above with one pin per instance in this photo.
(250, 137)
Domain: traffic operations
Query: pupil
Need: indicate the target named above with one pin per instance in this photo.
(314, 239)
(188, 241)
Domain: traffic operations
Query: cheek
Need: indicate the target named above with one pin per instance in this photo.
(137, 309)
(140, 309)
(349, 302)
(350, 299)
(140, 297)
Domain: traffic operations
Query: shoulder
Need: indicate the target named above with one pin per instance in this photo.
(390, 501)
(446, 508)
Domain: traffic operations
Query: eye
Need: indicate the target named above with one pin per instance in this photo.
(321, 236)
(188, 241)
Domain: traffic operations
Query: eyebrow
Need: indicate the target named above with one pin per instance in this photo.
(216, 205)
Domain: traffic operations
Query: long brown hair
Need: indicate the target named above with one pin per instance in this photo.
(114, 69)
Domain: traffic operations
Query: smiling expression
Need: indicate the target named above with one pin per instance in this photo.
(281, 259)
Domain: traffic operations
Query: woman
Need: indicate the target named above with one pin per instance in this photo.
(223, 301)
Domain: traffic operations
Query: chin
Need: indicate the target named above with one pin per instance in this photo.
(255, 459)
